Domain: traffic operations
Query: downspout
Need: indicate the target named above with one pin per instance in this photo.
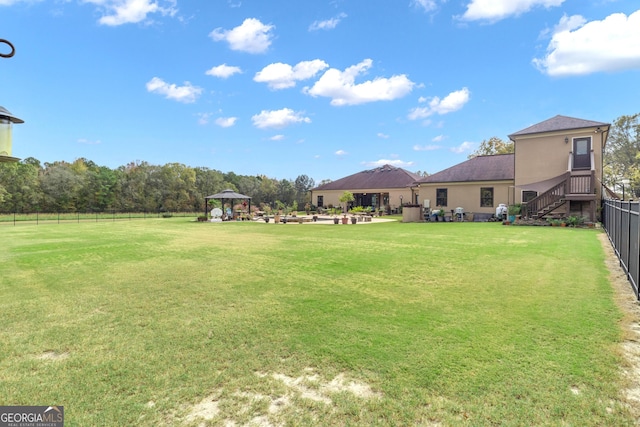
(602, 144)
(515, 146)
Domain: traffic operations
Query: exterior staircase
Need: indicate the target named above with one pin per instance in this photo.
(573, 186)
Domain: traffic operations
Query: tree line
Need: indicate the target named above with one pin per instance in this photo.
(84, 186)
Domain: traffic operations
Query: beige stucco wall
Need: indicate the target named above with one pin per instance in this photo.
(467, 195)
(546, 156)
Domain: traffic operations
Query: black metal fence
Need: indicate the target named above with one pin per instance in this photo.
(621, 220)
(66, 217)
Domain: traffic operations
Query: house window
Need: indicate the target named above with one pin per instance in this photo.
(528, 195)
(486, 197)
(441, 197)
(320, 201)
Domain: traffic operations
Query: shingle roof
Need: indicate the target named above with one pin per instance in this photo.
(386, 176)
(481, 168)
(558, 123)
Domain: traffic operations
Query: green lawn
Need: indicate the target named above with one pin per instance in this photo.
(174, 322)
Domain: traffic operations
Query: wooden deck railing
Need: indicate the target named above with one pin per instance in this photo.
(582, 184)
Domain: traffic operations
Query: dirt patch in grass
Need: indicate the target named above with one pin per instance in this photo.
(627, 302)
(308, 386)
(206, 410)
(53, 355)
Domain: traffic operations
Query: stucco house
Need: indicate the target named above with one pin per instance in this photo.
(385, 187)
(556, 169)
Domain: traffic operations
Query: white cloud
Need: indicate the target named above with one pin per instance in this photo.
(223, 71)
(382, 162)
(277, 138)
(203, 118)
(10, 2)
(438, 138)
(495, 10)
(465, 146)
(341, 153)
(382, 135)
(578, 47)
(427, 5)
(328, 24)
(187, 93)
(251, 36)
(226, 122)
(340, 86)
(426, 147)
(119, 12)
(278, 118)
(450, 103)
(282, 76)
(83, 140)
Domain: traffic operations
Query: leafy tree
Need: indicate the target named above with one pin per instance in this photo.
(622, 154)
(286, 191)
(173, 187)
(133, 193)
(208, 182)
(61, 186)
(268, 190)
(493, 146)
(302, 185)
(346, 198)
(19, 187)
(250, 186)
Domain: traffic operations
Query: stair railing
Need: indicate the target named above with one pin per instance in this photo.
(546, 199)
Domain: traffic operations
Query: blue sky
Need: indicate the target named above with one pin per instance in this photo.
(324, 88)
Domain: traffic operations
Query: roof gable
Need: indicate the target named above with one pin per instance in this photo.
(558, 123)
(499, 167)
(386, 176)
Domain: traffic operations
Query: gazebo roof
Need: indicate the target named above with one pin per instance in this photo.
(228, 194)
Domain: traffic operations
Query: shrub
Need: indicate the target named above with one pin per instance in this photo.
(575, 221)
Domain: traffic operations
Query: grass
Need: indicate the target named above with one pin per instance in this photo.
(137, 323)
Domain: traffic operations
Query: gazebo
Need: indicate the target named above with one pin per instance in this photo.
(227, 194)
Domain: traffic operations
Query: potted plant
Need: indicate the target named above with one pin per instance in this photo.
(575, 221)
(512, 211)
(334, 212)
(267, 211)
(345, 198)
